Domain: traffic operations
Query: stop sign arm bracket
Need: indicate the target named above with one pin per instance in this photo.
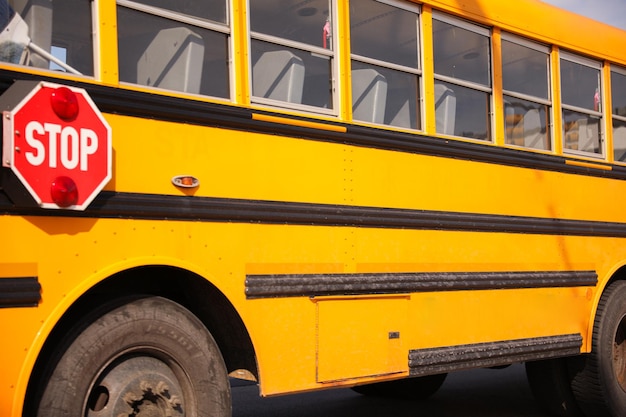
(9, 182)
(15, 190)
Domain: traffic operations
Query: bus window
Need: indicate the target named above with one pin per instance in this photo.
(461, 54)
(45, 34)
(526, 86)
(385, 64)
(180, 46)
(618, 100)
(580, 98)
(211, 11)
(292, 52)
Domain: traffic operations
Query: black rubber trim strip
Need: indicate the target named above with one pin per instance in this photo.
(454, 358)
(312, 285)
(165, 207)
(155, 106)
(19, 292)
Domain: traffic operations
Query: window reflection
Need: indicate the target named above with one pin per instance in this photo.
(526, 123)
(581, 132)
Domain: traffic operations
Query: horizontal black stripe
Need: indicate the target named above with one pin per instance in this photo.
(19, 292)
(155, 106)
(310, 285)
(164, 207)
(455, 358)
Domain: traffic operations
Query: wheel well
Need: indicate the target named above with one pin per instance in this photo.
(186, 288)
(619, 275)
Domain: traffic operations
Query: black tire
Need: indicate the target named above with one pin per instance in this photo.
(599, 378)
(550, 385)
(418, 388)
(149, 356)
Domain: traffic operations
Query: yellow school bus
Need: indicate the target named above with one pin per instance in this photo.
(309, 195)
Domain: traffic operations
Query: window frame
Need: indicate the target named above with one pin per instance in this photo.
(549, 102)
(417, 10)
(331, 54)
(596, 65)
(489, 90)
(212, 26)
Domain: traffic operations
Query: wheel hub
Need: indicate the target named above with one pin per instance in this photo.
(138, 386)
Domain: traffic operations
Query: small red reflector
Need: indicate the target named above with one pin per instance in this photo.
(64, 192)
(64, 103)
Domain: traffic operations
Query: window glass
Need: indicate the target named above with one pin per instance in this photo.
(214, 10)
(580, 85)
(385, 64)
(462, 78)
(525, 70)
(307, 22)
(618, 93)
(166, 53)
(292, 52)
(51, 35)
(619, 140)
(618, 101)
(384, 33)
(461, 53)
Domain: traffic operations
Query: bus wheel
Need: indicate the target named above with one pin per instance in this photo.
(550, 385)
(417, 388)
(149, 357)
(599, 378)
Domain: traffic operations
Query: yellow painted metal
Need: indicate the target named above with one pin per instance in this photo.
(498, 102)
(369, 343)
(428, 71)
(301, 343)
(555, 79)
(105, 20)
(344, 79)
(240, 66)
(607, 121)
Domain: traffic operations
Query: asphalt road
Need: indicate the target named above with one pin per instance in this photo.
(476, 393)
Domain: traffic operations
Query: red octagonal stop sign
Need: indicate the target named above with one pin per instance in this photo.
(57, 143)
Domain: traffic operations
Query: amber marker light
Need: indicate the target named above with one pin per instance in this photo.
(185, 181)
